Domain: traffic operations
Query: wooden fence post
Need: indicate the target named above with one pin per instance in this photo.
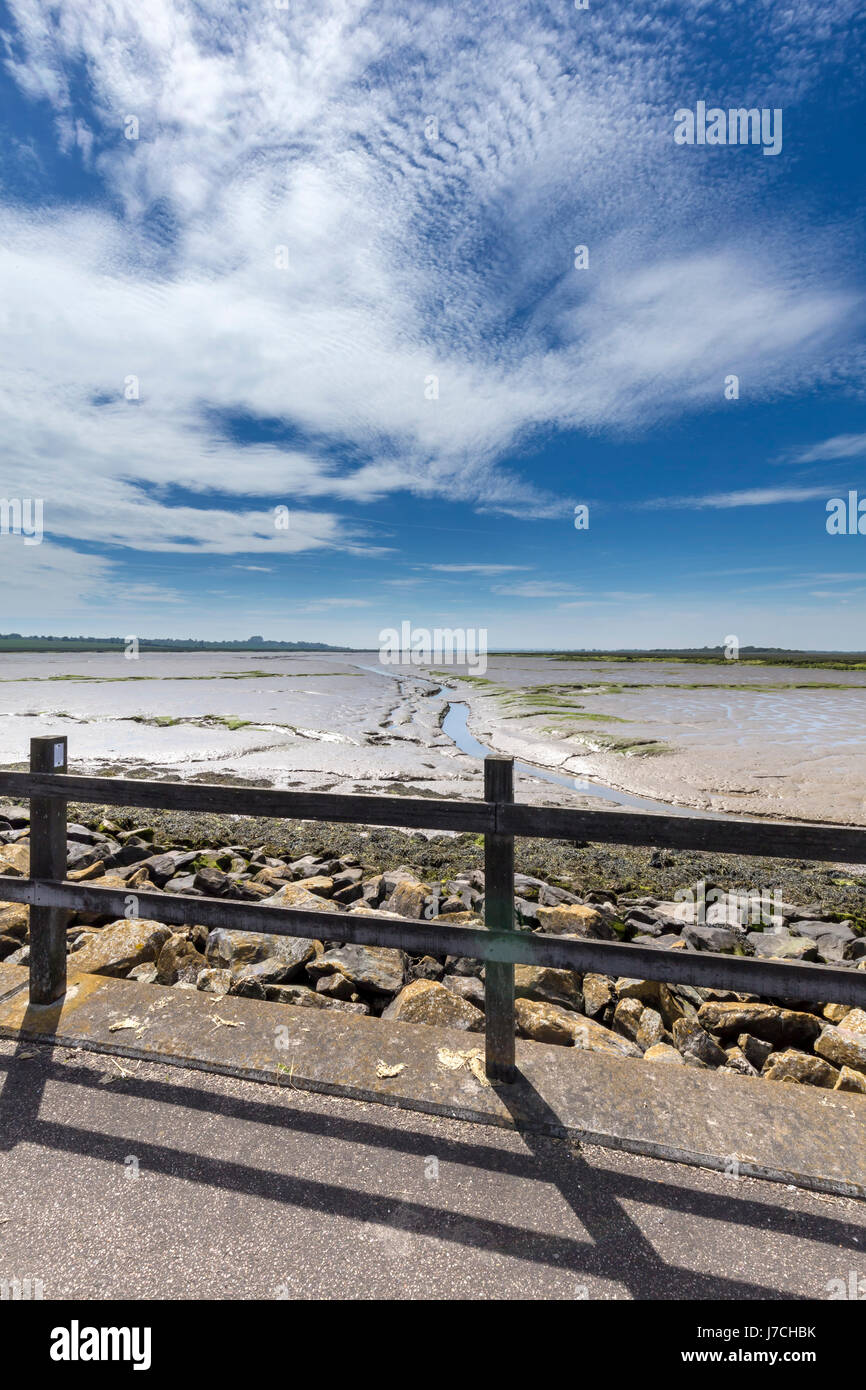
(499, 916)
(47, 861)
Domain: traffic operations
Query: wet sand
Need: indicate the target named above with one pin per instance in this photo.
(758, 741)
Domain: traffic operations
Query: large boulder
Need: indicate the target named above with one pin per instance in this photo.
(593, 1037)
(179, 962)
(298, 895)
(842, 1048)
(663, 1052)
(544, 1022)
(850, 1080)
(232, 950)
(408, 898)
(792, 1065)
(548, 985)
(781, 1027)
(575, 919)
(14, 920)
(379, 969)
(777, 946)
(695, 1043)
(426, 1001)
(15, 861)
(120, 946)
(598, 992)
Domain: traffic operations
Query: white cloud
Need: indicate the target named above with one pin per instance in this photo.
(746, 497)
(475, 569)
(841, 446)
(407, 257)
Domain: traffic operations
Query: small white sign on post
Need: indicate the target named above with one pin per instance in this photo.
(59, 754)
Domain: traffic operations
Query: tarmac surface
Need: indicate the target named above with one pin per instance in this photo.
(132, 1179)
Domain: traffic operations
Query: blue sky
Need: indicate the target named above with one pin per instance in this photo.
(328, 206)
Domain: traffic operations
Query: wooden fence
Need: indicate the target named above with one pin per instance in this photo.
(49, 787)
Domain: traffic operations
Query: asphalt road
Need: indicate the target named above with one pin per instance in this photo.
(137, 1180)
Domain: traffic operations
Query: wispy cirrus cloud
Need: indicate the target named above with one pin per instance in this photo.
(744, 497)
(408, 257)
(841, 446)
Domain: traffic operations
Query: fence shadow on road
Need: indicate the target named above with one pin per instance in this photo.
(607, 1242)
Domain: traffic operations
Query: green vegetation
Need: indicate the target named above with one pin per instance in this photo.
(15, 642)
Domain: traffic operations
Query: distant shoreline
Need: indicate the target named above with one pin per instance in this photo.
(709, 656)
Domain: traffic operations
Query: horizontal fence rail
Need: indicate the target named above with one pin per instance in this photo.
(51, 897)
(782, 979)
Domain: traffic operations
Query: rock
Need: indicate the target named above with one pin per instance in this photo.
(464, 965)
(425, 1001)
(178, 961)
(299, 996)
(409, 897)
(710, 938)
(8, 944)
(551, 896)
(459, 919)
(336, 986)
(426, 968)
(663, 1052)
(15, 861)
(626, 1018)
(213, 981)
(212, 882)
(739, 1062)
(816, 930)
(298, 895)
(855, 1021)
(320, 884)
(647, 991)
(598, 992)
(122, 945)
(181, 883)
(349, 893)
(850, 1080)
(776, 946)
(692, 1041)
(543, 1022)
(549, 985)
(842, 1048)
(651, 1029)
(14, 919)
(591, 1036)
(231, 950)
(575, 919)
(144, 974)
(834, 1013)
(781, 1027)
(673, 1005)
(756, 1050)
(379, 969)
(94, 870)
(270, 970)
(468, 987)
(792, 1065)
